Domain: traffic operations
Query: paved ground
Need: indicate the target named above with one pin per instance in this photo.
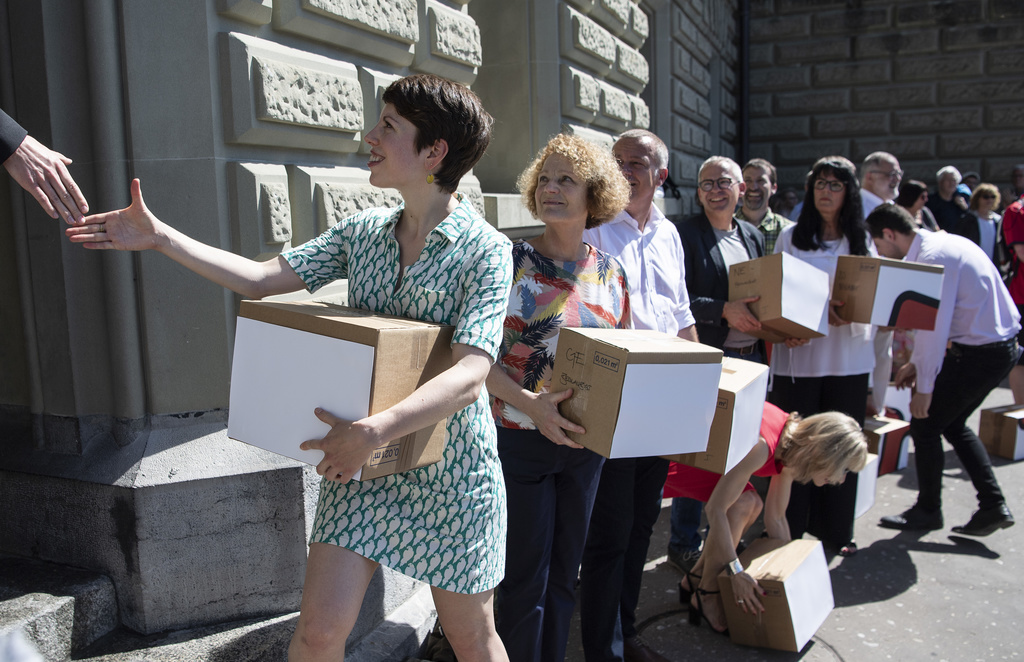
(935, 596)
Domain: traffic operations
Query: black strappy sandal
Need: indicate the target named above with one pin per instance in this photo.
(695, 614)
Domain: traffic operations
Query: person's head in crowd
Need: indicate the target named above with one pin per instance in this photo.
(448, 117)
(1017, 179)
(971, 179)
(761, 181)
(892, 230)
(984, 198)
(913, 195)
(604, 192)
(822, 448)
(719, 187)
(832, 200)
(881, 175)
(784, 201)
(643, 159)
(946, 180)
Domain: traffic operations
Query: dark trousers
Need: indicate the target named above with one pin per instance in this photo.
(627, 506)
(551, 492)
(968, 375)
(825, 512)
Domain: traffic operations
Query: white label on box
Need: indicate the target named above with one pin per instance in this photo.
(666, 409)
(809, 594)
(280, 375)
(1017, 452)
(746, 419)
(805, 293)
(895, 281)
(867, 481)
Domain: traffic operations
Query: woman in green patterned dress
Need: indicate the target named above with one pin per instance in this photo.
(432, 258)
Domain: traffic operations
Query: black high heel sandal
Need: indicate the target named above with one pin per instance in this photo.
(696, 613)
(684, 594)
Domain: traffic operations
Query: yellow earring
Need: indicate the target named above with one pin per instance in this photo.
(430, 178)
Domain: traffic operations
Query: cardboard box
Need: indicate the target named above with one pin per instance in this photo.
(889, 439)
(1000, 430)
(794, 296)
(884, 292)
(293, 357)
(867, 483)
(795, 576)
(638, 393)
(737, 423)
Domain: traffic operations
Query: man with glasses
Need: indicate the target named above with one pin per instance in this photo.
(880, 180)
(629, 495)
(760, 179)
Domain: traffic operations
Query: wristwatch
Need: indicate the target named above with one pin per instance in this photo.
(734, 567)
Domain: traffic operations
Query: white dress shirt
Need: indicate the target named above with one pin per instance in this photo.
(869, 201)
(653, 261)
(975, 308)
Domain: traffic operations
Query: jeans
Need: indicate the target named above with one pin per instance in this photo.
(968, 375)
(685, 535)
(627, 506)
(551, 492)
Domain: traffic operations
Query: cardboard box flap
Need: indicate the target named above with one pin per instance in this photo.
(882, 426)
(648, 346)
(327, 319)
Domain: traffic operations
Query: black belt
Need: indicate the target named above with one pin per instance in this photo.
(743, 351)
(1001, 344)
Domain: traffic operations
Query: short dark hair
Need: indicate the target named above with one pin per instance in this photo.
(441, 109)
(890, 217)
(910, 191)
(763, 164)
(809, 230)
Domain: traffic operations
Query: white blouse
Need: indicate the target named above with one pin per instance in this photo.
(846, 350)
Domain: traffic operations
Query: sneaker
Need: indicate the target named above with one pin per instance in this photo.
(683, 561)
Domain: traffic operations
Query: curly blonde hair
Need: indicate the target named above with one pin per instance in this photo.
(607, 189)
(831, 443)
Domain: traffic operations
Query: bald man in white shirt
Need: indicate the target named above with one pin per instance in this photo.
(979, 322)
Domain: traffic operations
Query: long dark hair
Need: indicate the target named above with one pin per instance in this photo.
(810, 227)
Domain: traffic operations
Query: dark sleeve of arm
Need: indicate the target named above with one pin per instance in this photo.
(705, 309)
(11, 136)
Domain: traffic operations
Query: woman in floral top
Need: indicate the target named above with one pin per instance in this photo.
(432, 258)
(559, 281)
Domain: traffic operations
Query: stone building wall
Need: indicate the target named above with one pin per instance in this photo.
(935, 83)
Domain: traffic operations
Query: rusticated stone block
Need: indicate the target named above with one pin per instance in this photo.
(792, 6)
(896, 43)
(689, 70)
(823, 50)
(616, 108)
(727, 131)
(690, 138)
(599, 138)
(851, 21)
(760, 105)
(852, 125)
(373, 85)
(1005, 117)
(301, 95)
(454, 37)
(805, 153)
(613, 15)
(901, 96)
(639, 28)
(1001, 9)
(812, 102)
(585, 6)
(1005, 62)
(321, 197)
(641, 114)
(632, 68)
(778, 128)
(581, 95)
(922, 147)
(729, 107)
(989, 144)
(781, 78)
(260, 208)
(585, 42)
(794, 176)
(779, 29)
(939, 67)
(990, 91)
(986, 37)
(948, 13)
(764, 151)
(761, 8)
(761, 55)
(937, 120)
(384, 30)
(854, 73)
(257, 12)
(281, 96)
(682, 25)
(689, 104)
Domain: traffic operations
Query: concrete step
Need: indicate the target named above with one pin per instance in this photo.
(58, 609)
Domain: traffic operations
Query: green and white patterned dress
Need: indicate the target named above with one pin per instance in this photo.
(443, 524)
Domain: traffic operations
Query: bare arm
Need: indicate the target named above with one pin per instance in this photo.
(349, 443)
(542, 408)
(775, 522)
(136, 229)
(689, 333)
(44, 173)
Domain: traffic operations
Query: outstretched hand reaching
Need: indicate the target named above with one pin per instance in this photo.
(131, 229)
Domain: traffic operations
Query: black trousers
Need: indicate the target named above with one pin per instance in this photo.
(627, 506)
(825, 512)
(968, 375)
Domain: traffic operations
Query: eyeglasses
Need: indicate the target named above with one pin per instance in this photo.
(833, 185)
(894, 174)
(708, 184)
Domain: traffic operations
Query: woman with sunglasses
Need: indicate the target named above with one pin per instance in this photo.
(829, 373)
(982, 225)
